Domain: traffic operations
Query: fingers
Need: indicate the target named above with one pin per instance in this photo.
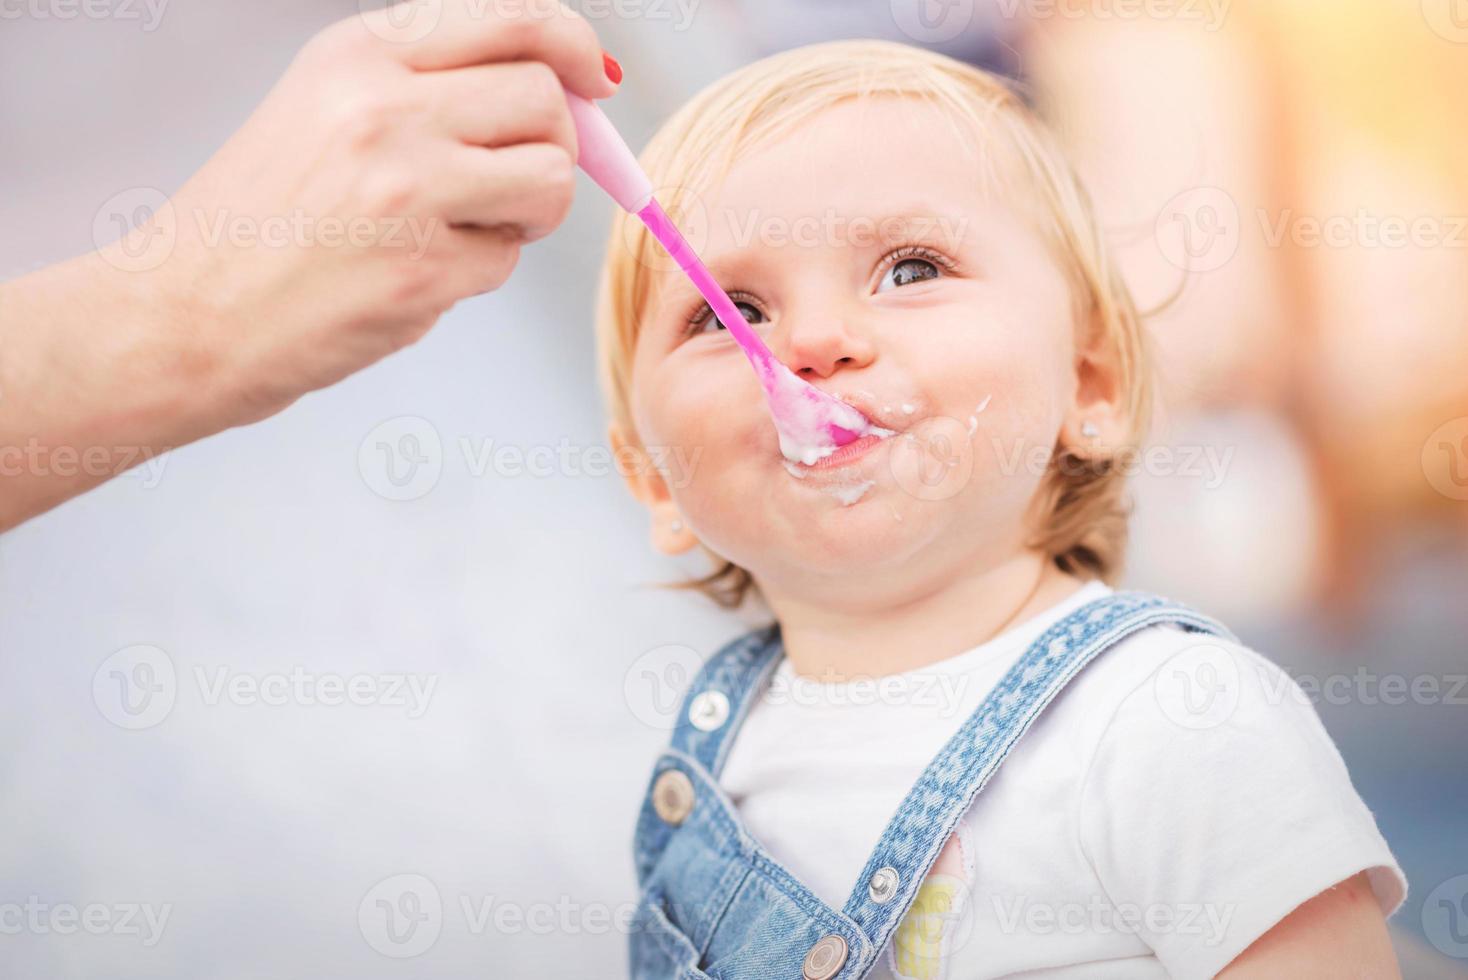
(478, 260)
(501, 104)
(528, 187)
(436, 35)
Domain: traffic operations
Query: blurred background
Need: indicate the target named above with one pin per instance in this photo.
(182, 769)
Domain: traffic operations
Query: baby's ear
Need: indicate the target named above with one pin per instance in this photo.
(636, 466)
(1097, 421)
(670, 532)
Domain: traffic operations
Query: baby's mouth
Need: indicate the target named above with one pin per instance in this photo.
(879, 424)
(850, 452)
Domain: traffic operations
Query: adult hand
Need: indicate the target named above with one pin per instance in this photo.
(396, 168)
(403, 159)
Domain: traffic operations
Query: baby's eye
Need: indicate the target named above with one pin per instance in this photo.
(911, 264)
(704, 316)
(907, 271)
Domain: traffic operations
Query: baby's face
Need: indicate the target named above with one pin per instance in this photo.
(869, 256)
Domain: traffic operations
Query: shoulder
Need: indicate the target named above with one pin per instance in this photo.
(1208, 777)
(1169, 680)
(1168, 700)
(1175, 668)
(1172, 669)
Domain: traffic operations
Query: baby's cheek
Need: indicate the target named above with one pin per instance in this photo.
(1015, 440)
(727, 511)
(990, 421)
(720, 445)
(1011, 401)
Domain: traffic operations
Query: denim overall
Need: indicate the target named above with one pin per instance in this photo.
(715, 904)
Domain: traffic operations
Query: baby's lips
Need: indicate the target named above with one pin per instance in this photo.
(878, 415)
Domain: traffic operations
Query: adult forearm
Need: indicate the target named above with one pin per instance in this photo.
(100, 370)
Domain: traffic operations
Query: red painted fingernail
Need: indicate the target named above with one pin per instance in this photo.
(614, 70)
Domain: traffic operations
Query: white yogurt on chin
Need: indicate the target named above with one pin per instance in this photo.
(852, 492)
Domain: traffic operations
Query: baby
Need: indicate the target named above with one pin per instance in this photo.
(957, 752)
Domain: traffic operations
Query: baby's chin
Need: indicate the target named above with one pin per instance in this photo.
(852, 525)
(849, 557)
(786, 522)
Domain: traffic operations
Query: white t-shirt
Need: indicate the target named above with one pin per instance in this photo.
(1173, 803)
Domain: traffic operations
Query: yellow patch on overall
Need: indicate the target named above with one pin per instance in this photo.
(919, 943)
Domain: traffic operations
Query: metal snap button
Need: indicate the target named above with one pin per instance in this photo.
(672, 796)
(824, 959)
(708, 710)
(883, 885)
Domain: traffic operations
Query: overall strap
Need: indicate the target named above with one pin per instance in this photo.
(947, 787)
(721, 695)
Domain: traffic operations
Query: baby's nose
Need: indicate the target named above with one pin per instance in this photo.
(818, 346)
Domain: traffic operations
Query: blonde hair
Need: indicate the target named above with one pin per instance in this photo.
(1084, 515)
